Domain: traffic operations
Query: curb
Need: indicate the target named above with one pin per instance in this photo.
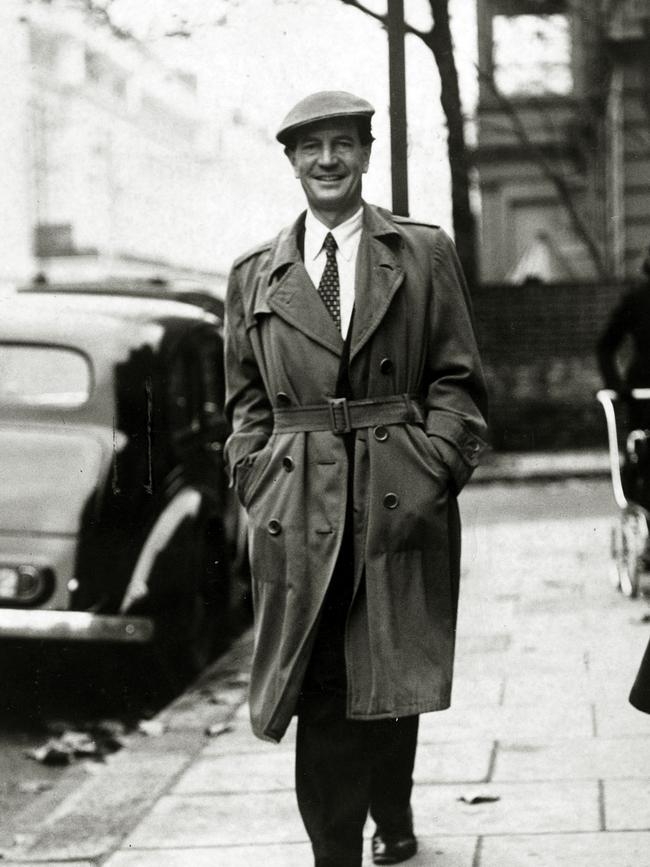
(92, 810)
(542, 466)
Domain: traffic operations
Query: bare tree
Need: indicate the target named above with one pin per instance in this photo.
(438, 40)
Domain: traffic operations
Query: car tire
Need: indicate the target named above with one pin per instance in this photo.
(633, 536)
(190, 604)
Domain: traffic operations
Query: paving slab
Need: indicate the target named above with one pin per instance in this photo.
(548, 721)
(620, 720)
(482, 691)
(627, 805)
(524, 689)
(443, 851)
(566, 850)
(585, 759)
(268, 855)
(478, 615)
(465, 761)
(240, 772)
(522, 808)
(184, 821)
(242, 740)
(92, 820)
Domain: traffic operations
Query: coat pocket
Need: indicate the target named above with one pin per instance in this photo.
(249, 474)
(434, 459)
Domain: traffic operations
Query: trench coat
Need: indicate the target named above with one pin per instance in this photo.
(412, 336)
(640, 694)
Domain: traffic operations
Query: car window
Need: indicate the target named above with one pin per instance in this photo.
(32, 375)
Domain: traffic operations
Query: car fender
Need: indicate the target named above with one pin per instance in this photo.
(185, 504)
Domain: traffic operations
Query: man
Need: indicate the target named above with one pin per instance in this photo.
(357, 404)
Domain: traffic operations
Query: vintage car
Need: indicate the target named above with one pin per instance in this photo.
(113, 498)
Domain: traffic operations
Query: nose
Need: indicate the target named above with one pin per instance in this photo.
(327, 155)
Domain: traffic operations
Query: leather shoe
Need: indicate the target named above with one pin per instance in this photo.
(393, 848)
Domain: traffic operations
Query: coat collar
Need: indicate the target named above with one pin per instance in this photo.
(379, 275)
(291, 294)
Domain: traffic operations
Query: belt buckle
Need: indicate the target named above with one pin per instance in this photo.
(338, 407)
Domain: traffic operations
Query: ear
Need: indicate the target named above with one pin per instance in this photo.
(291, 156)
(366, 151)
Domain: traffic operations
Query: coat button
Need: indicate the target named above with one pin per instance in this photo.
(391, 500)
(283, 398)
(381, 433)
(274, 527)
(386, 366)
(288, 464)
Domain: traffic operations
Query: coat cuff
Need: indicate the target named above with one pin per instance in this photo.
(459, 447)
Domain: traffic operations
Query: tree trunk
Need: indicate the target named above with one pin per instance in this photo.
(440, 42)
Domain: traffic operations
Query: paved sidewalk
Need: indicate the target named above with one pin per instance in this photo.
(540, 732)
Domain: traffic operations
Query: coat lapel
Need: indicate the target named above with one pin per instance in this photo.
(292, 295)
(379, 276)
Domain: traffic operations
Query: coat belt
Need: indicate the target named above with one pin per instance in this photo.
(341, 415)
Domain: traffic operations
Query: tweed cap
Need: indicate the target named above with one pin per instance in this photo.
(321, 106)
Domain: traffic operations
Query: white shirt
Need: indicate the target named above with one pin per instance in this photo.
(347, 236)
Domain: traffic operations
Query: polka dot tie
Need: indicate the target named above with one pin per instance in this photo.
(328, 288)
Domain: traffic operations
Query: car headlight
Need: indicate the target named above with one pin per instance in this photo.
(24, 584)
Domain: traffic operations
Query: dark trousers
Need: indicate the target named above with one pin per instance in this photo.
(346, 768)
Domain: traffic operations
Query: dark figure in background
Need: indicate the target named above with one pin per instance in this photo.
(357, 404)
(630, 319)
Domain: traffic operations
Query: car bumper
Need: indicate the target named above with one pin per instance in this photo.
(74, 626)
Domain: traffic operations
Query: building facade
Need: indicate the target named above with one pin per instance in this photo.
(563, 151)
(113, 161)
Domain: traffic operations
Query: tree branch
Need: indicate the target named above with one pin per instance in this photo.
(383, 19)
(556, 177)
(97, 13)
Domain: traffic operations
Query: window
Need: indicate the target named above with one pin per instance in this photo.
(532, 54)
(34, 376)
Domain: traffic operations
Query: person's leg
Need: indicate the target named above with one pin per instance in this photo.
(394, 746)
(333, 766)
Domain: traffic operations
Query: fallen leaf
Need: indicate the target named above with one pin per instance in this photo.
(479, 799)
(51, 754)
(217, 729)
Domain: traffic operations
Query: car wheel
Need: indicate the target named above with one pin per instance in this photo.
(190, 603)
(633, 537)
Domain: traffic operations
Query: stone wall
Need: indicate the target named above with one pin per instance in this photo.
(538, 348)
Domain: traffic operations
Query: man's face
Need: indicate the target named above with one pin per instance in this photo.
(329, 160)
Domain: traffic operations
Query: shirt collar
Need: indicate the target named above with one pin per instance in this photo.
(346, 235)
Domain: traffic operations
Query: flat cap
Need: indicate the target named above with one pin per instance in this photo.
(322, 106)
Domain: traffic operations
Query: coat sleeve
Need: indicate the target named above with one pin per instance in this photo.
(456, 401)
(248, 409)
